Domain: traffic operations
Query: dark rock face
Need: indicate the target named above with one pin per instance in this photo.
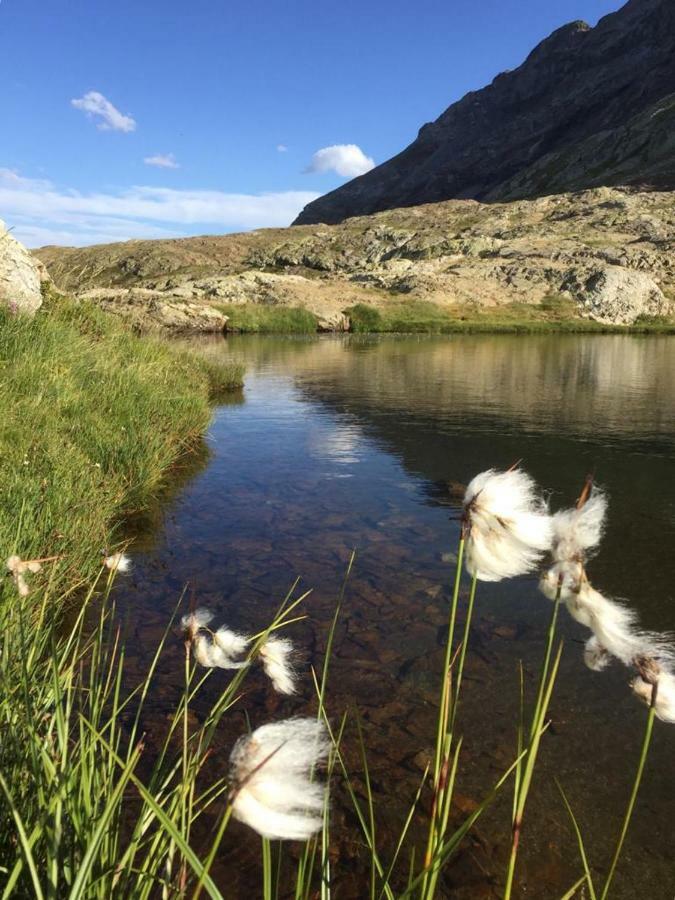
(588, 107)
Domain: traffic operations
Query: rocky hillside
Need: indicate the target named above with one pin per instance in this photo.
(609, 254)
(588, 107)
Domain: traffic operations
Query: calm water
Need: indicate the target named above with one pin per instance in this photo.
(341, 442)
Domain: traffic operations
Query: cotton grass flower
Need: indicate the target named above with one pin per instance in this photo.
(507, 525)
(580, 529)
(562, 580)
(595, 655)
(271, 772)
(218, 650)
(118, 562)
(213, 649)
(655, 686)
(275, 654)
(18, 568)
(229, 642)
(194, 621)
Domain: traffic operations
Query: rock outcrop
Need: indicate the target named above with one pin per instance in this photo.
(605, 254)
(147, 309)
(21, 276)
(588, 107)
(617, 296)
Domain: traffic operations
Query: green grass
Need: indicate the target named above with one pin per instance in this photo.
(554, 315)
(252, 318)
(93, 417)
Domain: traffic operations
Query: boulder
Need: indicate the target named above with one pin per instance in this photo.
(147, 309)
(617, 295)
(20, 278)
(338, 321)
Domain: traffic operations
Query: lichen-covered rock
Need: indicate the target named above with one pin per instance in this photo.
(617, 295)
(146, 309)
(336, 322)
(20, 281)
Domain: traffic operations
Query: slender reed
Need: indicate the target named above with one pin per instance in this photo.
(646, 741)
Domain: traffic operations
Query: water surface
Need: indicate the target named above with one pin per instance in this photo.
(342, 443)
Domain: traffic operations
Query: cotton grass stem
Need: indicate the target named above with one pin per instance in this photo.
(524, 775)
(633, 797)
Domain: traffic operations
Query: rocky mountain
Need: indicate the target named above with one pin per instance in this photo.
(605, 254)
(588, 107)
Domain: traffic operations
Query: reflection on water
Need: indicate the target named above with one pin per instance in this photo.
(348, 443)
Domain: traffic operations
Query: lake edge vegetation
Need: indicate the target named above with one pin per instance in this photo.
(555, 315)
(94, 418)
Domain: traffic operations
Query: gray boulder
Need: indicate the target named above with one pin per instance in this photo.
(20, 278)
(617, 295)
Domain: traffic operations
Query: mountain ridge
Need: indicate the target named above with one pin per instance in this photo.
(578, 84)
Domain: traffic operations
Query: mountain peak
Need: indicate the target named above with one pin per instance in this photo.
(576, 113)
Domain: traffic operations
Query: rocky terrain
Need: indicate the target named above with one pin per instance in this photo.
(607, 254)
(588, 107)
(21, 275)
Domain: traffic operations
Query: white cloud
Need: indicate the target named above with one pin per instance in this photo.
(96, 106)
(282, 148)
(42, 213)
(162, 161)
(347, 160)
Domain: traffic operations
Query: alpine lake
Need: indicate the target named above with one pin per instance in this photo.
(342, 444)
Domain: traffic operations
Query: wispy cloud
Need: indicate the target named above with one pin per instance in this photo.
(282, 148)
(43, 213)
(162, 161)
(107, 116)
(347, 160)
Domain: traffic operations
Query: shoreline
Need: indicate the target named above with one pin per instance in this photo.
(98, 417)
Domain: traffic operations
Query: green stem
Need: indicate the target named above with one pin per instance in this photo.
(443, 707)
(448, 655)
(547, 680)
(631, 803)
(212, 853)
(267, 869)
(462, 657)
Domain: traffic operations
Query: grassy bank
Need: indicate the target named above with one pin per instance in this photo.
(251, 318)
(93, 417)
(554, 315)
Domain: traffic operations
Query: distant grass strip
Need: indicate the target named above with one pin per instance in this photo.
(93, 417)
(252, 318)
(554, 315)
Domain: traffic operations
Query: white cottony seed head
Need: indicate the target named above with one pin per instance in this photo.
(576, 531)
(272, 777)
(118, 562)
(275, 654)
(595, 655)
(192, 622)
(509, 527)
(219, 651)
(664, 707)
(565, 577)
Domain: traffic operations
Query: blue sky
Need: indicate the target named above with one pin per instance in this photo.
(153, 118)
